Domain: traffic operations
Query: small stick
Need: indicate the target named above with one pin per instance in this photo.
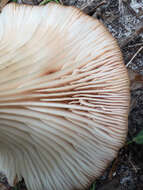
(139, 50)
(135, 45)
(90, 3)
(113, 168)
(139, 30)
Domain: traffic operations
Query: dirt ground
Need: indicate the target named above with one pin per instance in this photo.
(124, 19)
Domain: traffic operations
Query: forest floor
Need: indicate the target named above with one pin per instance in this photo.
(124, 19)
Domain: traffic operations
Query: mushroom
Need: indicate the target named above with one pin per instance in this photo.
(64, 97)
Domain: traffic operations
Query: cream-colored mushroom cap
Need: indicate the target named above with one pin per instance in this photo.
(64, 97)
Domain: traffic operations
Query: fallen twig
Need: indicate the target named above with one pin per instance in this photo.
(138, 51)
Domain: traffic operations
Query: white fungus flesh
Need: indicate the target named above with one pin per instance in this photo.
(64, 97)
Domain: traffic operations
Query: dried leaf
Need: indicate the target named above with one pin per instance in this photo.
(136, 80)
(3, 3)
(3, 186)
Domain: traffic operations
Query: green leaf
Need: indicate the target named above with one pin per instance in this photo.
(139, 138)
(44, 2)
(93, 186)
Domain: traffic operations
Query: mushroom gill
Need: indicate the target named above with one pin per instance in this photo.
(64, 97)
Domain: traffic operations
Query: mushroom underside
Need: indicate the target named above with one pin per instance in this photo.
(64, 97)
